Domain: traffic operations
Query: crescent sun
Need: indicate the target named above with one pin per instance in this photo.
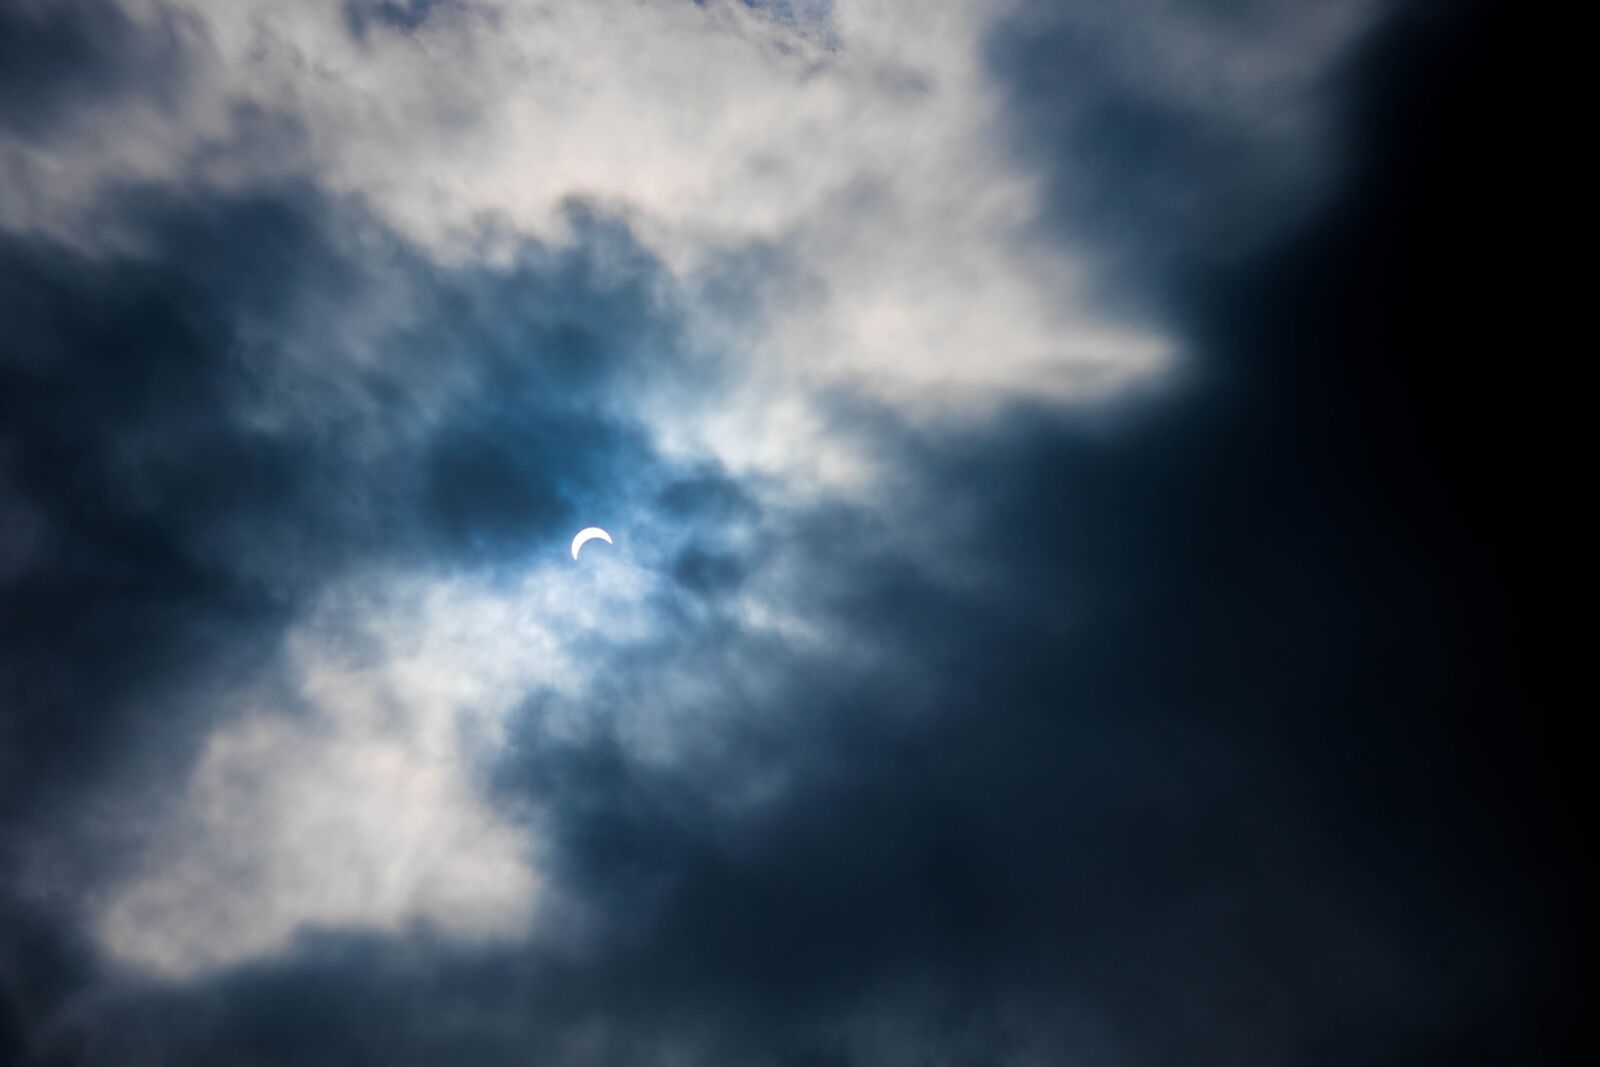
(588, 534)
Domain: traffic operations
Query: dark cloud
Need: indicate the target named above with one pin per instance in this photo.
(1173, 138)
(1213, 729)
(403, 17)
(58, 55)
(119, 446)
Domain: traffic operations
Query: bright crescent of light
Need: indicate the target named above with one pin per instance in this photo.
(588, 534)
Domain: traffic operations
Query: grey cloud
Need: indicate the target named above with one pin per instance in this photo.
(1163, 130)
(57, 58)
(404, 17)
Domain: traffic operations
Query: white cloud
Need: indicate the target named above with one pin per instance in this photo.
(356, 802)
(291, 823)
(357, 805)
(865, 148)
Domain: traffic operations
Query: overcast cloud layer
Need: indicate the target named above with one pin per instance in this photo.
(1056, 613)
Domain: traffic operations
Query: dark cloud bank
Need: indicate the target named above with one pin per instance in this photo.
(1246, 752)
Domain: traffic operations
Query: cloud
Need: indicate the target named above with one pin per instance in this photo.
(854, 145)
(61, 59)
(1006, 656)
(195, 448)
(1163, 129)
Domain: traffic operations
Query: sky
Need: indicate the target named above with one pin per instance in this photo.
(1077, 592)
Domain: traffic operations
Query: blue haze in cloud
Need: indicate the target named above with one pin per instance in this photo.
(1183, 725)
